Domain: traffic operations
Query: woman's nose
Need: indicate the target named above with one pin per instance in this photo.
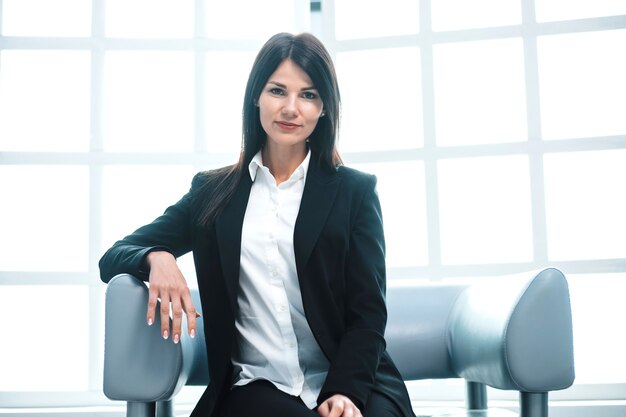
(290, 106)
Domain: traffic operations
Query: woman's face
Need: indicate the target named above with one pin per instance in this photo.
(289, 106)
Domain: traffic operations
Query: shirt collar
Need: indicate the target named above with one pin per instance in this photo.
(299, 173)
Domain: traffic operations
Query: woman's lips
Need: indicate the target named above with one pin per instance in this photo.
(287, 126)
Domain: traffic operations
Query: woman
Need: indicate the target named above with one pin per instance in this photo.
(289, 252)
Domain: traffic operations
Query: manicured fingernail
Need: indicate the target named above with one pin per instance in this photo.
(192, 333)
(150, 321)
(176, 338)
(165, 335)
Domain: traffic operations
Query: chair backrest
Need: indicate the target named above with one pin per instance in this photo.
(511, 333)
(417, 329)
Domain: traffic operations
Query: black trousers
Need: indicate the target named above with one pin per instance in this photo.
(263, 399)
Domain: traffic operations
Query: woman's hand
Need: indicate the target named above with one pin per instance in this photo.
(338, 406)
(168, 284)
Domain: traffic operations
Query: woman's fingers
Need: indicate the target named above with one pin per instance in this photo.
(169, 284)
(191, 312)
(336, 410)
(338, 406)
(176, 305)
(165, 315)
(153, 295)
(177, 317)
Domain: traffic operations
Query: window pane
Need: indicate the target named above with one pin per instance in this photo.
(42, 356)
(598, 305)
(46, 18)
(148, 101)
(378, 112)
(585, 205)
(355, 18)
(44, 218)
(227, 75)
(462, 14)
(44, 101)
(404, 210)
(550, 10)
(134, 195)
(484, 209)
(253, 19)
(149, 18)
(582, 84)
(479, 92)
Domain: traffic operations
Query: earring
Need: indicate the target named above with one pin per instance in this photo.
(323, 113)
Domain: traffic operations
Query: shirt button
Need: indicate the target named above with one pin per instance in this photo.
(282, 308)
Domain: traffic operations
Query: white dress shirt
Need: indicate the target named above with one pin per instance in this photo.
(273, 339)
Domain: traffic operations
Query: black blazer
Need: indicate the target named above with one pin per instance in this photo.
(340, 259)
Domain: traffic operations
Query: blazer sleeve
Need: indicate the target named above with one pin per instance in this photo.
(170, 232)
(353, 369)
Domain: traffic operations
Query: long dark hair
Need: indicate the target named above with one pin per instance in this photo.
(306, 51)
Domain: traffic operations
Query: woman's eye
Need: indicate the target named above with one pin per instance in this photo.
(277, 91)
(309, 96)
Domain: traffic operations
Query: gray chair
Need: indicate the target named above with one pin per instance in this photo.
(514, 333)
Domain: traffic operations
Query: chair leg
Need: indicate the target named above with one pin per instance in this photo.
(476, 396)
(135, 409)
(165, 409)
(533, 404)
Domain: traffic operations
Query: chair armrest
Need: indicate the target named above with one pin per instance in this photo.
(139, 365)
(515, 333)
(512, 333)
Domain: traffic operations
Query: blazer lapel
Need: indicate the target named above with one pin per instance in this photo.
(319, 194)
(228, 227)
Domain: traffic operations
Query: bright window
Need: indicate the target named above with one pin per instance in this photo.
(584, 207)
(496, 130)
(161, 186)
(224, 100)
(45, 354)
(46, 18)
(158, 18)
(404, 215)
(388, 96)
(510, 116)
(553, 10)
(253, 19)
(582, 84)
(44, 218)
(480, 92)
(148, 101)
(484, 210)
(460, 14)
(44, 100)
(353, 18)
(106, 113)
